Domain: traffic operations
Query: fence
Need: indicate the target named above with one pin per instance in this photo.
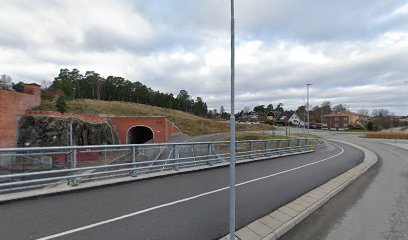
(49, 166)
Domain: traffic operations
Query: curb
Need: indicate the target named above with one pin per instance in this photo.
(280, 221)
(32, 194)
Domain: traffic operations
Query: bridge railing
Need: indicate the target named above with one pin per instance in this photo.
(35, 167)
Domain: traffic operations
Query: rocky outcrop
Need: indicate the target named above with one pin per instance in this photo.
(36, 131)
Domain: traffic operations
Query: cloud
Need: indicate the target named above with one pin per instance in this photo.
(354, 52)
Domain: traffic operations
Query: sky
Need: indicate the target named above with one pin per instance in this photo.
(352, 52)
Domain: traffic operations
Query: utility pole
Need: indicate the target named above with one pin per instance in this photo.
(232, 128)
(308, 120)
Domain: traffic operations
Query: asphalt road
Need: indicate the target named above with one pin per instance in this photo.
(375, 206)
(187, 206)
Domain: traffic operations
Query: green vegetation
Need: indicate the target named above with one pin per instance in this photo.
(388, 135)
(309, 135)
(256, 136)
(91, 85)
(61, 105)
(187, 123)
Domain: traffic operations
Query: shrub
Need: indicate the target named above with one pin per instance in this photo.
(61, 105)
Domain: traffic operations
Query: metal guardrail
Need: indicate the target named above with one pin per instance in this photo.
(50, 166)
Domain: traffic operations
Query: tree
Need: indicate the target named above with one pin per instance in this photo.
(340, 108)
(113, 88)
(279, 108)
(363, 111)
(380, 113)
(326, 107)
(222, 110)
(269, 108)
(260, 110)
(61, 105)
(5, 78)
(301, 112)
(19, 87)
(370, 126)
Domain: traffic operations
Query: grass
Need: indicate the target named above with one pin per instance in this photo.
(388, 135)
(256, 136)
(187, 123)
(309, 135)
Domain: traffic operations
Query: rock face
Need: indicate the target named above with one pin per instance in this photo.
(42, 131)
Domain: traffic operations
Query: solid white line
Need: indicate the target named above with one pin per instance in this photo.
(184, 199)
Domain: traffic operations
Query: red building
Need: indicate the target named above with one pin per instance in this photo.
(344, 120)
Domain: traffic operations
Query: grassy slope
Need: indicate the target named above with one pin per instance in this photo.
(188, 123)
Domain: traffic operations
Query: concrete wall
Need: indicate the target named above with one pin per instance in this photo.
(13, 104)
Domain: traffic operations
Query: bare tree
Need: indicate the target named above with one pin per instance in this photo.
(380, 113)
(363, 111)
(5, 78)
(340, 108)
(222, 110)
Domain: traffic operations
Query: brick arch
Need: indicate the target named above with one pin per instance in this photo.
(161, 128)
(139, 134)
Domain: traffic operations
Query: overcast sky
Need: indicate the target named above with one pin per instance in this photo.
(353, 52)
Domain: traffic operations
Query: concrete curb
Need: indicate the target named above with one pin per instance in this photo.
(280, 221)
(31, 194)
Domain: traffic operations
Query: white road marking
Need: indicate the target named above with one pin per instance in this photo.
(184, 199)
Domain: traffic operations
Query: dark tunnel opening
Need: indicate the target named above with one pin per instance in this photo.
(139, 135)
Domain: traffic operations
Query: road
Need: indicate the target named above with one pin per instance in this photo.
(186, 206)
(375, 206)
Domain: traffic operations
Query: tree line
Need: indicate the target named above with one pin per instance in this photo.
(92, 85)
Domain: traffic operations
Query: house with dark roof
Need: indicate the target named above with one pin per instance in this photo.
(289, 118)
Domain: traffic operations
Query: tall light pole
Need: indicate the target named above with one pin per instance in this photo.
(307, 107)
(232, 128)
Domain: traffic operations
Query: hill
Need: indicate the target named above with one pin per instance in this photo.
(187, 123)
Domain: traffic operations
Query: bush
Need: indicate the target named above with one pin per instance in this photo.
(61, 105)
(370, 126)
(270, 122)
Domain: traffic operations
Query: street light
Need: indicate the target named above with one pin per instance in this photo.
(307, 107)
(232, 128)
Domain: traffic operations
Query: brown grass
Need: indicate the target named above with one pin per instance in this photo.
(188, 123)
(388, 135)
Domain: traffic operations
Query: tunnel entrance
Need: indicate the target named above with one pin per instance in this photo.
(139, 135)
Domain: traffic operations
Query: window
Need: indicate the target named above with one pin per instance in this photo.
(345, 124)
(336, 118)
(336, 125)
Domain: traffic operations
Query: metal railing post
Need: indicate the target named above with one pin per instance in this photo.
(266, 148)
(209, 154)
(134, 171)
(73, 165)
(251, 149)
(175, 166)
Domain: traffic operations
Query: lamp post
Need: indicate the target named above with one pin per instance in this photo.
(307, 107)
(232, 128)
